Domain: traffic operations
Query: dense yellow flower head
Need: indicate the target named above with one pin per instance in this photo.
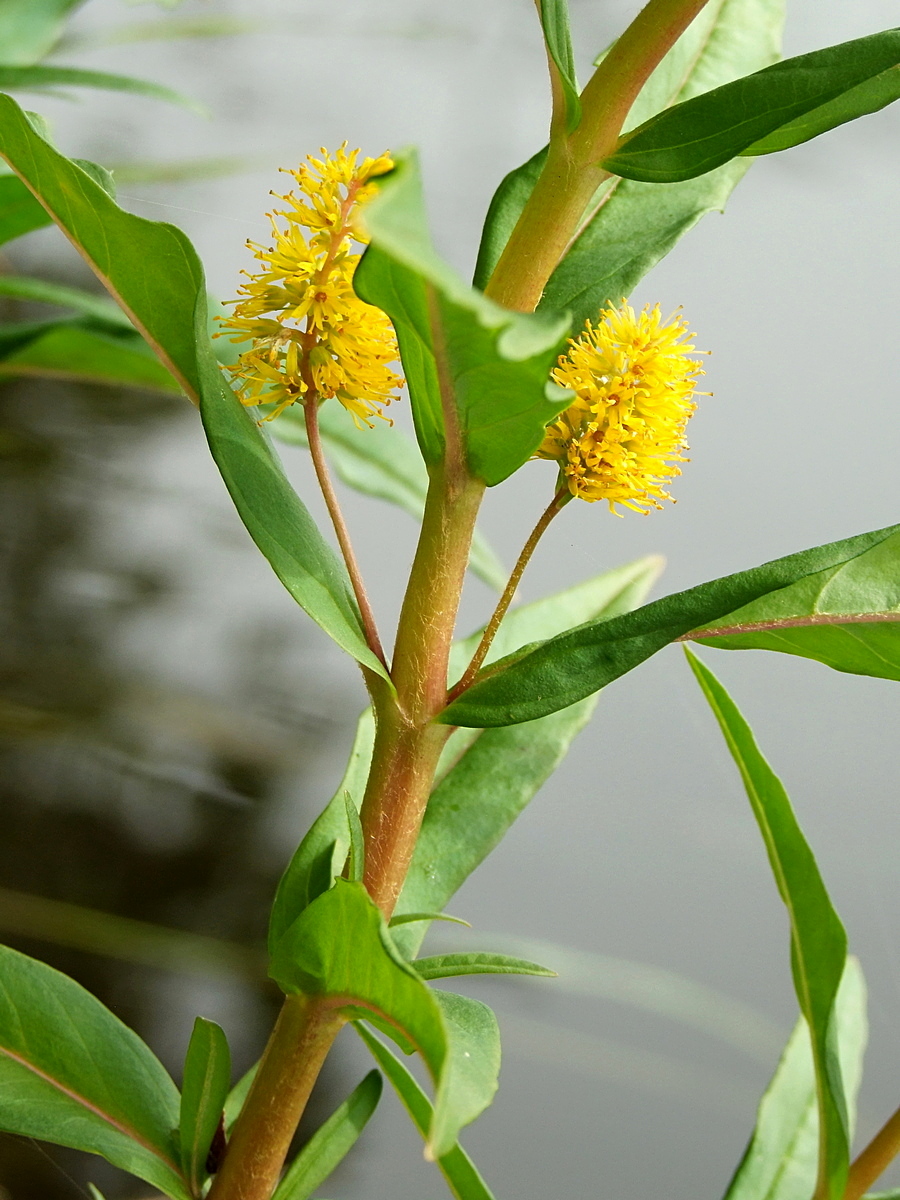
(633, 379)
(310, 334)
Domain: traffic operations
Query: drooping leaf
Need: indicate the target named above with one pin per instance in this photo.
(408, 918)
(772, 109)
(381, 462)
(848, 618)
(73, 350)
(340, 950)
(457, 1168)
(331, 1142)
(554, 674)
(322, 853)
(207, 1079)
(71, 1073)
(818, 940)
(634, 225)
(780, 1162)
(29, 29)
(39, 78)
(43, 291)
(485, 364)
(444, 966)
(20, 212)
(554, 15)
(488, 779)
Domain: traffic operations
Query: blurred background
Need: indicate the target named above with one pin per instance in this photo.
(170, 722)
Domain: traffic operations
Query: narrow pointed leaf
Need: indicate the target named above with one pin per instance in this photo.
(780, 1161)
(43, 291)
(408, 918)
(460, 1172)
(460, 351)
(381, 462)
(153, 271)
(71, 1073)
(73, 350)
(772, 109)
(331, 1142)
(207, 1079)
(236, 1097)
(848, 618)
(357, 859)
(553, 674)
(95, 1192)
(634, 225)
(818, 940)
(340, 950)
(39, 78)
(554, 16)
(444, 966)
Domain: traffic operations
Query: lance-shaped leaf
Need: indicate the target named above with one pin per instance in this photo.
(44, 291)
(71, 1073)
(74, 350)
(772, 109)
(207, 1079)
(631, 226)
(477, 962)
(331, 1142)
(19, 211)
(457, 1168)
(340, 951)
(554, 15)
(40, 78)
(847, 618)
(781, 1160)
(461, 353)
(153, 271)
(818, 940)
(381, 462)
(554, 674)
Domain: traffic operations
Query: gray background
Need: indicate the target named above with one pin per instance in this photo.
(642, 847)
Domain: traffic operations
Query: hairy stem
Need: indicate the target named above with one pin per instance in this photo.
(556, 505)
(572, 172)
(875, 1159)
(316, 450)
(302, 1037)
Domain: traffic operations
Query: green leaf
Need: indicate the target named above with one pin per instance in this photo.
(95, 1192)
(772, 109)
(154, 272)
(457, 1168)
(461, 352)
(554, 15)
(634, 225)
(321, 855)
(408, 918)
(357, 860)
(381, 462)
(554, 674)
(73, 350)
(236, 1097)
(780, 1162)
(207, 1078)
(847, 618)
(29, 29)
(20, 212)
(818, 940)
(31, 78)
(443, 966)
(340, 949)
(73, 1074)
(331, 1142)
(43, 291)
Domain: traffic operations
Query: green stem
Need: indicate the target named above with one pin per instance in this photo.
(302, 1037)
(572, 172)
(556, 505)
(875, 1159)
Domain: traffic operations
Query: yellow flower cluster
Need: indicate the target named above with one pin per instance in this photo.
(633, 381)
(310, 334)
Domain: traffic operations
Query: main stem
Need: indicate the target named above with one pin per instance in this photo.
(875, 1159)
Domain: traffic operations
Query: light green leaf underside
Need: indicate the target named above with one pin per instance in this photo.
(780, 1161)
(477, 962)
(556, 673)
(554, 16)
(71, 1073)
(381, 462)
(818, 939)
(847, 618)
(457, 1168)
(459, 350)
(331, 1142)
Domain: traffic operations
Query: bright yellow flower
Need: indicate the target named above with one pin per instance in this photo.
(310, 333)
(621, 438)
